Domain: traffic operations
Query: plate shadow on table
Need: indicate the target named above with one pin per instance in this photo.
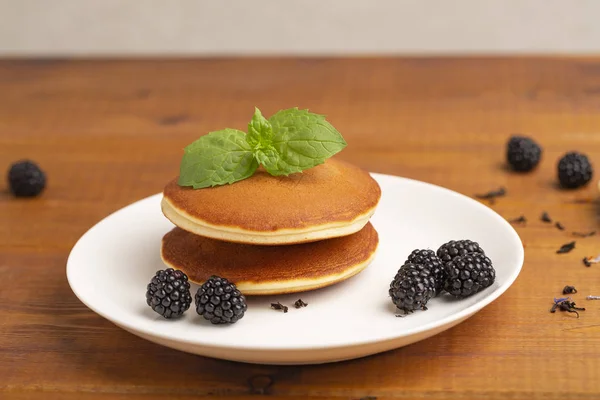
(125, 360)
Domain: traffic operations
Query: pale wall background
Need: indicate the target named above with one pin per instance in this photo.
(267, 27)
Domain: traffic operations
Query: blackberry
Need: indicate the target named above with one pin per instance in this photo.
(412, 287)
(455, 248)
(469, 274)
(429, 260)
(168, 293)
(220, 302)
(522, 153)
(574, 170)
(26, 179)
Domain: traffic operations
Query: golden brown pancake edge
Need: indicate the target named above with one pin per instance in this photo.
(335, 192)
(270, 269)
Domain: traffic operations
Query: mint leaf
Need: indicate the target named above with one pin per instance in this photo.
(260, 133)
(301, 140)
(218, 158)
(268, 158)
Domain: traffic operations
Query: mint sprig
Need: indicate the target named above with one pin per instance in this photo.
(290, 141)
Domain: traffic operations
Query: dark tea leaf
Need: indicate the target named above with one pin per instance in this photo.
(280, 307)
(546, 217)
(519, 220)
(565, 248)
(299, 303)
(569, 290)
(584, 234)
(588, 261)
(563, 304)
(492, 194)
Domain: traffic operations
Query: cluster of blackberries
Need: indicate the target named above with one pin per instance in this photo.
(217, 300)
(574, 169)
(460, 268)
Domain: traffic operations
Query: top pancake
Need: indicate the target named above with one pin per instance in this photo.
(330, 200)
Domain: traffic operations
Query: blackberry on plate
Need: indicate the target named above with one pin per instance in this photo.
(523, 153)
(26, 179)
(469, 274)
(412, 287)
(168, 293)
(455, 248)
(574, 170)
(220, 302)
(429, 260)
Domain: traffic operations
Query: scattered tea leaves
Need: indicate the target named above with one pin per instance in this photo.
(584, 234)
(569, 290)
(299, 303)
(565, 248)
(546, 217)
(492, 194)
(280, 307)
(559, 226)
(519, 220)
(563, 304)
(588, 261)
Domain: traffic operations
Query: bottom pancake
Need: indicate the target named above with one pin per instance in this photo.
(265, 270)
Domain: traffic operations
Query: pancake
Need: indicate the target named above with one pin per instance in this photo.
(330, 200)
(266, 270)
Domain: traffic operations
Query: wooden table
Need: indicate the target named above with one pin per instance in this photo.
(111, 132)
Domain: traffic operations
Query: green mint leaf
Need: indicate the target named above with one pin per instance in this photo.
(218, 158)
(301, 140)
(268, 158)
(260, 133)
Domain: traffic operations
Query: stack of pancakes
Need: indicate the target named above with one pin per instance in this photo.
(274, 234)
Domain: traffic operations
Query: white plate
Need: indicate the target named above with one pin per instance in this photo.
(110, 266)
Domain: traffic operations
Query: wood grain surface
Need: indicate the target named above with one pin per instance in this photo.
(111, 132)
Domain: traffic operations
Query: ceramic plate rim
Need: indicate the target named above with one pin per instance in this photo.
(376, 338)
